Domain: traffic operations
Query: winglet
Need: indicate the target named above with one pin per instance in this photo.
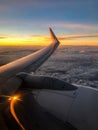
(53, 37)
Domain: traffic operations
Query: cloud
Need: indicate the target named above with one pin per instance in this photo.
(69, 25)
(77, 36)
(31, 36)
(34, 27)
(3, 37)
(76, 26)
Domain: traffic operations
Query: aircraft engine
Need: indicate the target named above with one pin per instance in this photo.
(43, 82)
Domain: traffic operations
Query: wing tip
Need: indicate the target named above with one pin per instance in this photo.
(53, 36)
(50, 29)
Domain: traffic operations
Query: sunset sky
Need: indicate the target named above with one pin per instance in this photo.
(26, 22)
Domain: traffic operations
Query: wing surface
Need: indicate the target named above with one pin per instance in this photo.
(33, 61)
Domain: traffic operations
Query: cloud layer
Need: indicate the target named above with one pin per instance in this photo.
(77, 36)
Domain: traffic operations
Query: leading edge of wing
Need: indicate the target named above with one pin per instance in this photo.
(33, 60)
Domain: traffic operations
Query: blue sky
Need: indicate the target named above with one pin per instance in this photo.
(33, 17)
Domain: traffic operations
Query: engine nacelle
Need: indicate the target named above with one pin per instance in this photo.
(43, 82)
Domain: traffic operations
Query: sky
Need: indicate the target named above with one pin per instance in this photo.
(26, 22)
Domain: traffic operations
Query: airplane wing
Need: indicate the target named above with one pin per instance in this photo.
(34, 60)
(28, 114)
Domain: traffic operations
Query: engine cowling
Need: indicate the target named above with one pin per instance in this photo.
(43, 82)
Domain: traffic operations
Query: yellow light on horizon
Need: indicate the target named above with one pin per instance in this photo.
(80, 42)
(14, 41)
(44, 41)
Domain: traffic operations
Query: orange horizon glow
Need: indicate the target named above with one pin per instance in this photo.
(44, 41)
